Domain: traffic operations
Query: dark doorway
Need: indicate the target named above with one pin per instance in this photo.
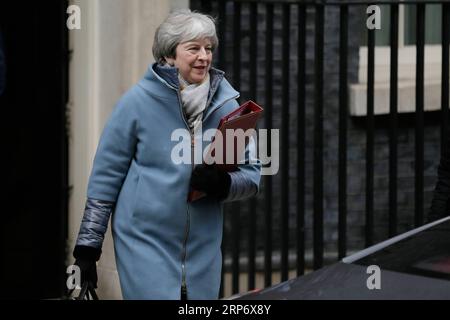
(34, 149)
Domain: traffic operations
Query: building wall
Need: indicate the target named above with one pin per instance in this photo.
(110, 53)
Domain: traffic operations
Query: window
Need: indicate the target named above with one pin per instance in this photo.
(406, 63)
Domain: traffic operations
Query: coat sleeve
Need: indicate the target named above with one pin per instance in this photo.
(441, 196)
(114, 153)
(245, 181)
(95, 223)
(115, 150)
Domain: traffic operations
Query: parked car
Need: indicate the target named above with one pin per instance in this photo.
(413, 265)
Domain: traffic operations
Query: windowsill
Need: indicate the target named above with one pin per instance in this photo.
(406, 97)
(406, 82)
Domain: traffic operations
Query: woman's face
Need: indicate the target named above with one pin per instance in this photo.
(193, 59)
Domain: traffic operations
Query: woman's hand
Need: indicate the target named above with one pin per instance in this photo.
(88, 269)
(85, 259)
(211, 180)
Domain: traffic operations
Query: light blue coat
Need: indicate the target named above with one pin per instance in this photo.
(160, 240)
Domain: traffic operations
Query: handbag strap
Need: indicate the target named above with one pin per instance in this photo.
(87, 292)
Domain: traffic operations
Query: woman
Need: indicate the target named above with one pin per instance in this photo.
(166, 248)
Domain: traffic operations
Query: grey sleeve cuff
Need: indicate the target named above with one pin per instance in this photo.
(240, 187)
(95, 223)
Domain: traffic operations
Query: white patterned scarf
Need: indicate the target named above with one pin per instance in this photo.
(194, 98)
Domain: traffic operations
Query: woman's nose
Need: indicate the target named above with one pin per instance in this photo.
(202, 54)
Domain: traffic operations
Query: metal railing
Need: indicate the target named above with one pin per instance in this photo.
(231, 34)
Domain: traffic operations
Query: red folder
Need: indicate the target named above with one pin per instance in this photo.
(245, 117)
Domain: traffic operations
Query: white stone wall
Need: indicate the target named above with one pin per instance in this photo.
(110, 53)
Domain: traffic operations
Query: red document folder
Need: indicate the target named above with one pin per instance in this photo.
(245, 117)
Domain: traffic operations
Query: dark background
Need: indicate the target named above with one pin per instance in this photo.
(356, 131)
(34, 149)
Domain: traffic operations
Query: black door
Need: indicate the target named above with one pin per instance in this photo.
(34, 149)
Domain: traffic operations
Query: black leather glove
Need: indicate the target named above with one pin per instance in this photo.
(211, 180)
(86, 258)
